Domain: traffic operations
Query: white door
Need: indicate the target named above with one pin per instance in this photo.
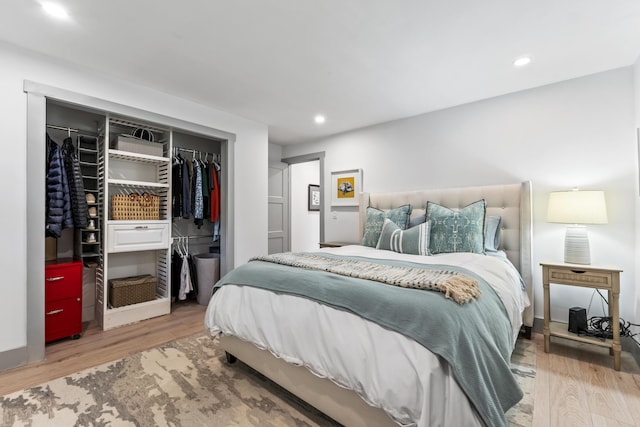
(278, 208)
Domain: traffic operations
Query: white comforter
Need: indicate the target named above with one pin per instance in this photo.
(388, 370)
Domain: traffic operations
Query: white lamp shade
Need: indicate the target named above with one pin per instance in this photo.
(577, 207)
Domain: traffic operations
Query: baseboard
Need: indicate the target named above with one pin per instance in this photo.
(538, 325)
(632, 347)
(13, 358)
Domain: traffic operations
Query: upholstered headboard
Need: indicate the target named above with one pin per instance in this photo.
(511, 201)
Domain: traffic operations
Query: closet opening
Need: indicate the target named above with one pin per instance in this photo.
(101, 244)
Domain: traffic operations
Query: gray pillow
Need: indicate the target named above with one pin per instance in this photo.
(375, 220)
(456, 231)
(414, 240)
(492, 233)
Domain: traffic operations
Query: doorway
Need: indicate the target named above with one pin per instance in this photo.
(304, 218)
(306, 229)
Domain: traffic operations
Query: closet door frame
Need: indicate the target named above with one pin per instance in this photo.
(37, 95)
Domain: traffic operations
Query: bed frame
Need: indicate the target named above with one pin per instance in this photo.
(512, 202)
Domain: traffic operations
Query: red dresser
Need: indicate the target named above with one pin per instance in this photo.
(62, 299)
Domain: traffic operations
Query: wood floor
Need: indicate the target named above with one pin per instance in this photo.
(96, 347)
(575, 384)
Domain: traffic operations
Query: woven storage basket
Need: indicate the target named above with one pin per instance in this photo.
(132, 290)
(135, 206)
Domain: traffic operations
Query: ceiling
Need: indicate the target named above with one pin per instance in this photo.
(358, 62)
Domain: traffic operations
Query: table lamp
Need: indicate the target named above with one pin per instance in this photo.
(577, 208)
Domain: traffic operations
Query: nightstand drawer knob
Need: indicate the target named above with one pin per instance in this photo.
(55, 312)
(578, 271)
(53, 279)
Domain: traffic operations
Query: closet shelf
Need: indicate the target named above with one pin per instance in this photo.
(90, 254)
(136, 157)
(138, 184)
(137, 221)
(150, 306)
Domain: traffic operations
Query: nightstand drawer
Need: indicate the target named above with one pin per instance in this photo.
(581, 277)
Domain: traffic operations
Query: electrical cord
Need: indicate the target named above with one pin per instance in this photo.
(601, 326)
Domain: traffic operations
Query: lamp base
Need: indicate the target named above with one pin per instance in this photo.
(576, 245)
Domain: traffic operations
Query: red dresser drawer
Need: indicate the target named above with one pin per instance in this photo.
(62, 299)
(63, 280)
(62, 318)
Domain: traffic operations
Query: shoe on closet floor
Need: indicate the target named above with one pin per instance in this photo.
(91, 238)
(91, 199)
(93, 212)
(92, 225)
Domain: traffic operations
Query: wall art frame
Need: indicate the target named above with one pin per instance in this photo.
(346, 186)
(313, 197)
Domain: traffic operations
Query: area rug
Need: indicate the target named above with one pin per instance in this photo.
(189, 383)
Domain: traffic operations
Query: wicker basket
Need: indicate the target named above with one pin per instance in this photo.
(132, 290)
(135, 206)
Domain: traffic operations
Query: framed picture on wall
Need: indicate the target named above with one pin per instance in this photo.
(346, 187)
(314, 197)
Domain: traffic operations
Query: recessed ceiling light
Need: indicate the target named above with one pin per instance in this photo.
(55, 10)
(319, 119)
(521, 62)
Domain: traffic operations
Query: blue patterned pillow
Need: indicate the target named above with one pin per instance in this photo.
(375, 221)
(456, 231)
(414, 240)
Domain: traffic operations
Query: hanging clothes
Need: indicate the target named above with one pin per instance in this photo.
(185, 279)
(215, 193)
(197, 194)
(176, 184)
(58, 204)
(176, 272)
(206, 189)
(77, 196)
(186, 191)
(215, 200)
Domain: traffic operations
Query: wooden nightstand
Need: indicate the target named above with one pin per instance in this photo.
(585, 276)
(336, 244)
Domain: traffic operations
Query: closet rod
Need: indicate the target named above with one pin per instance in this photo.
(215, 156)
(79, 131)
(194, 236)
(187, 150)
(68, 129)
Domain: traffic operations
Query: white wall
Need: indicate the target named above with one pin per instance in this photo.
(575, 133)
(18, 65)
(305, 224)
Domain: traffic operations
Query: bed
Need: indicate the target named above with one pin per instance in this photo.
(353, 362)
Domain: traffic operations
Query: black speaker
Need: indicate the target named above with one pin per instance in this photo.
(577, 320)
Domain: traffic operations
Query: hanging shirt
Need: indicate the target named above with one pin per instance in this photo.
(215, 194)
(197, 194)
(176, 187)
(206, 189)
(186, 191)
(185, 280)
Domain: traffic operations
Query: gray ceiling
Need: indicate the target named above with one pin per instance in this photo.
(359, 62)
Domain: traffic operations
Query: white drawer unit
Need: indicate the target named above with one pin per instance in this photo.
(137, 236)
